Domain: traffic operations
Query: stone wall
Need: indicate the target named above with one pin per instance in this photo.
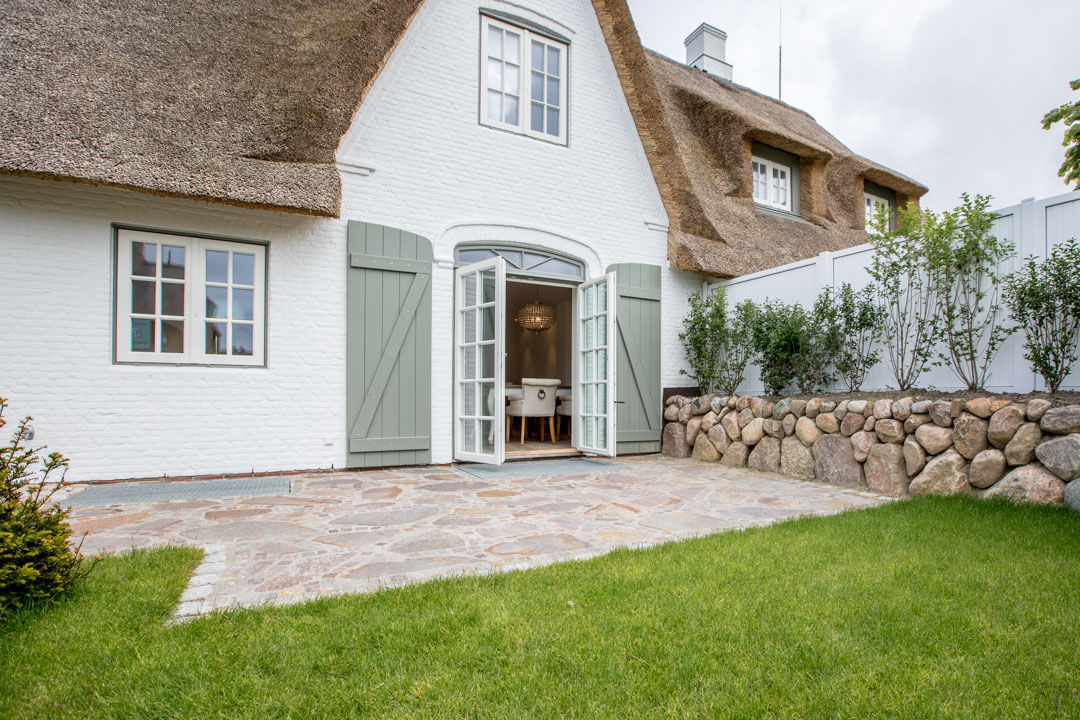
(1025, 451)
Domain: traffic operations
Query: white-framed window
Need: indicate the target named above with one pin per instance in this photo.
(772, 184)
(873, 204)
(522, 81)
(182, 299)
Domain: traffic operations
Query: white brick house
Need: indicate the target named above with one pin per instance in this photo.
(189, 283)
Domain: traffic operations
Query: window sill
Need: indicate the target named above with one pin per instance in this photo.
(766, 210)
(550, 140)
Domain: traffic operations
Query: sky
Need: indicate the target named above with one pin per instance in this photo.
(948, 92)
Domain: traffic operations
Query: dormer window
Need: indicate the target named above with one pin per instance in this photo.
(523, 80)
(775, 179)
(875, 198)
(772, 184)
(874, 204)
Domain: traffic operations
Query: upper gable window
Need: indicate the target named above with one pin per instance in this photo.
(523, 81)
(772, 184)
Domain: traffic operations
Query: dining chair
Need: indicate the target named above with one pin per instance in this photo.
(565, 409)
(537, 400)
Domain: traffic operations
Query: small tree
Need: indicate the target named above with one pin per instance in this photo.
(964, 256)
(1044, 299)
(703, 336)
(859, 316)
(778, 337)
(906, 288)
(36, 562)
(735, 350)
(822, 338)
(1068, 113)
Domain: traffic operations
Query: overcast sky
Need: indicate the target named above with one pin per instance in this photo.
(949, 92)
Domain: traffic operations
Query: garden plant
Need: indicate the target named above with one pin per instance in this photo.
(859, 318)
(716, 347)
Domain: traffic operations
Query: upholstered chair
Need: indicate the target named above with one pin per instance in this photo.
(565, 409)
(537, 400)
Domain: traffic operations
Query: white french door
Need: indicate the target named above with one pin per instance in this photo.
(594, 404)
(479, 355)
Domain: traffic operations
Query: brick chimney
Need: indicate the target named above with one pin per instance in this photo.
(706, 49)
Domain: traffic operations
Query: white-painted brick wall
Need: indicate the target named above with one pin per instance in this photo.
(437, 172)
(137, 421)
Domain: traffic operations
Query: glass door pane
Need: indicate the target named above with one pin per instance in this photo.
(595, 404)
(479, 340)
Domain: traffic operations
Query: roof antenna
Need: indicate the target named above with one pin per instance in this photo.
(780, 64)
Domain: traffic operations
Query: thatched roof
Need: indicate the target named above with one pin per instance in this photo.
(713, 123)
(241, 102)
(245, 102)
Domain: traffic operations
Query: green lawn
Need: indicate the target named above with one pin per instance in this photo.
(928, 608)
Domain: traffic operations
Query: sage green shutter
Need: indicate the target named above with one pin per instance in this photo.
(388, 347)
(637, 394)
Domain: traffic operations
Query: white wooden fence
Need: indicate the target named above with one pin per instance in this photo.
(1033, 226)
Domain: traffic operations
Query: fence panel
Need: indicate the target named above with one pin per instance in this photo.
(1032, 226)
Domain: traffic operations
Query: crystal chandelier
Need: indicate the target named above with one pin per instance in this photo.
(536, 315)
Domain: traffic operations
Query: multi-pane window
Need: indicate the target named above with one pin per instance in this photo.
(189, 300)
(523, 84)
(875, 204)
(772, 184)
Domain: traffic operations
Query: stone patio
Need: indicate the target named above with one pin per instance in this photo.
(341, 532)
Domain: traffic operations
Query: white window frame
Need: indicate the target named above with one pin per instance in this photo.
(195, 285)
(870, 204)
(524, 65)
(770, 167)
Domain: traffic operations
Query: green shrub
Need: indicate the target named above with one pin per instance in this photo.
(823, 337)
(36, 562)
(778, 338)
(1044, 299)
(716, 349)
(859, 318)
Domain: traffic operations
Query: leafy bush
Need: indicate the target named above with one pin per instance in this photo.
(1044, 299)
(906, 288)
(778, 338)
(36, 562)
(715, 349)
(859, 318)
(822, 338)
(963, 259)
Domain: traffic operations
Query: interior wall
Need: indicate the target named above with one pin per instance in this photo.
(545, 354)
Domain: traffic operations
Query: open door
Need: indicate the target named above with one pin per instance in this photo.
(594, 404)
(479, 355)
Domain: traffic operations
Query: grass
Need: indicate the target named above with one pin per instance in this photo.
(929, 608)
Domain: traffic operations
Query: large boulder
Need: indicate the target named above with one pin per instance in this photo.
(901, 409)
(1072, 496)
(1030, 483)
(921, 407)
(835, 463)
(765, 455)
(883, 409)
(730, 423)
(745, 417)
(945, 474)
(774, 427)
(671, 412)
(856, 406)
(914, 457)
(827, 422)
(719, 438)
(1021, 449)
(1037, 408)
(941, 413)
(806, 430)
(841, 410)
(781, 408)
(1061, 456)
(686, 411)
(1004, 424)
(742, 403)
(813, 407)
(796, 460)
(693, 427)
(798, 407)
(890, 431)
(969, 435)
(789, 423)
(704, 450)
(915, 422)
(719, 403)
(1062, 420)
(979, 407)
(934, 439)
(757, 406)
(851, 424)
(708, 420)
(885, 471)
(861, 442)
(673, 442)
(701, 405)
(986, 468)
(735, 455)
(753, 432)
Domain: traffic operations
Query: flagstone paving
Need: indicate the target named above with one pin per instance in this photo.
(341, 532)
